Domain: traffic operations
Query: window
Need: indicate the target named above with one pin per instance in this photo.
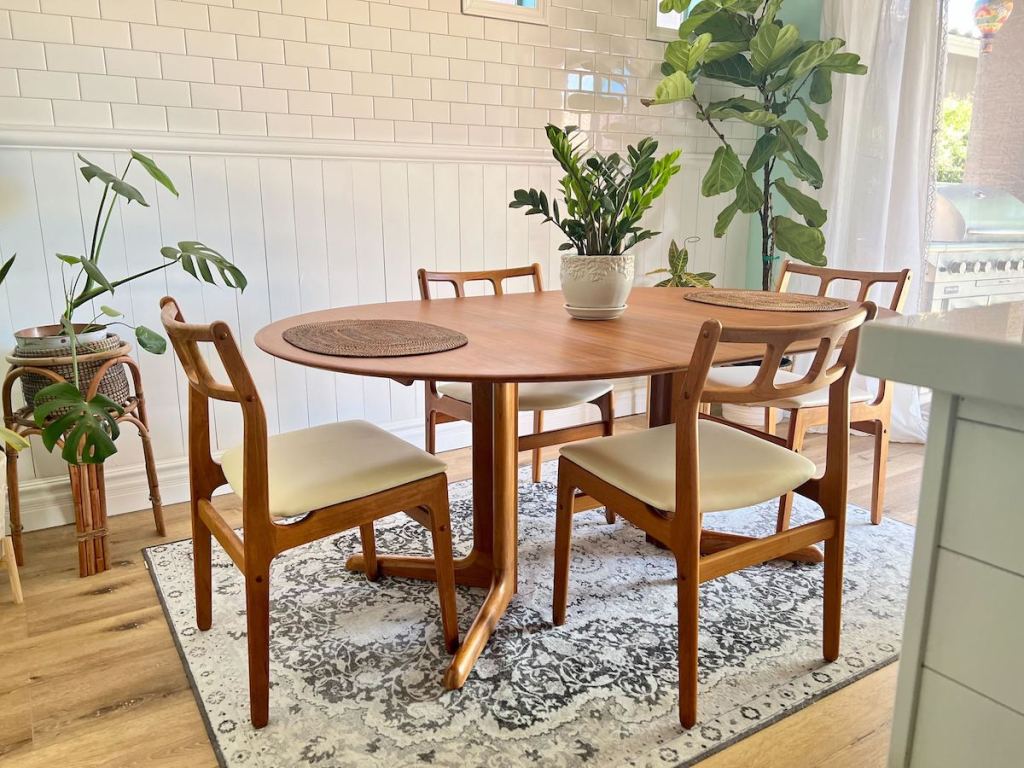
(663, 26)
(529, 11)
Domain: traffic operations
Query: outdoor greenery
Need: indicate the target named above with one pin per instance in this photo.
(745, 43)
(605, 197)
(951, 139)
(88, 429)
(678, 276)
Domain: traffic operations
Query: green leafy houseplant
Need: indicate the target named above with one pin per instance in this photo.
(605, 196)
(745, 43)
(89, 429)
(678, 275)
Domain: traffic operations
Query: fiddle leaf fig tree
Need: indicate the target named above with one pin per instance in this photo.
(745, 43)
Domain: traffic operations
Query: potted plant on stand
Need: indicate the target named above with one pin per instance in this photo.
(604, 199)
(74, 373)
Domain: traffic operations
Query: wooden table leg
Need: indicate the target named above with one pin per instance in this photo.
(505, 448)
(476, 568)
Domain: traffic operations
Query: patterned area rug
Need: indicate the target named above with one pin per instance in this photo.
(356, 667)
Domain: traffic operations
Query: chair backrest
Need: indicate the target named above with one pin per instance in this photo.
(770, 344)
(205, 473)
(865, 280)
(496, 277)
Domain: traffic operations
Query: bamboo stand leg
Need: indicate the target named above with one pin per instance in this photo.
(14, 505)
(89, 494)
(147, 452)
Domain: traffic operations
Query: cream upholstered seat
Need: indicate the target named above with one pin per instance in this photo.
(736, 469)
(314, 468)
(543, 396)
(742, 375)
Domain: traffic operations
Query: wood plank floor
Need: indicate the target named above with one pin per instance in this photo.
(89, 675)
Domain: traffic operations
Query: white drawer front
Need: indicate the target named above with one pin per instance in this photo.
(957, 728)
(976, 631)
(984, 511)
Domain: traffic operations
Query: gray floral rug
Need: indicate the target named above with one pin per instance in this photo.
(356, 667)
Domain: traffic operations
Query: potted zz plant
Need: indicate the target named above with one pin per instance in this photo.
(75, 350)
(605, 198)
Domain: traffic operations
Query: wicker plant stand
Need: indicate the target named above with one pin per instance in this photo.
(87, 483)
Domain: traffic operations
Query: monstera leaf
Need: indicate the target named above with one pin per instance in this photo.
(12, 439)
(88, 428)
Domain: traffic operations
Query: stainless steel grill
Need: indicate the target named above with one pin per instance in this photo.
(976, 256)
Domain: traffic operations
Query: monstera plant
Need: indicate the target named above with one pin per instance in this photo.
(87, 426)
(785, 79)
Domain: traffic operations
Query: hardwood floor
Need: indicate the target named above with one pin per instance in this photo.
(89, 675)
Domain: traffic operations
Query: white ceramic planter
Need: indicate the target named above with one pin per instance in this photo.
(596, 287)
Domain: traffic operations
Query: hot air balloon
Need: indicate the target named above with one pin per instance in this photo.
(989, 18)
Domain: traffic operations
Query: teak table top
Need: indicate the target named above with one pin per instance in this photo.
(529, 337)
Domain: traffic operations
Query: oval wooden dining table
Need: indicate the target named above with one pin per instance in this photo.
(528, 337)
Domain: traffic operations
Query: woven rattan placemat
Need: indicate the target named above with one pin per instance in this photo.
(768, 301)
(374, 338)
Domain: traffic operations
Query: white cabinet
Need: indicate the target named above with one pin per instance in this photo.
(960, 695)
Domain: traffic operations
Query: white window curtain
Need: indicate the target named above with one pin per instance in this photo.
(877, 160)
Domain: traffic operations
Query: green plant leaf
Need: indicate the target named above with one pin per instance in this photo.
(764, 150)
(726, 27)
(693, 21)
(771, 45)
(12, 439)
(110, 311)
(816, 54)
(735, 69)
(150, 340)
(719, 51)
(846, 63)
(95, 274)
(808, 207)
(771, 10)
(88, 429)
(799, 241)
(154, 170)
(749, 196)
(820, 129)
(72, 260)
(194, 256)
(6, 267)
(675, 87)
(724, 173)
(92, 171)
(804, 166)
(821, 86)
(725, 218)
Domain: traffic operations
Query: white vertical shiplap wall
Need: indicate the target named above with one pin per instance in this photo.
(309, 232)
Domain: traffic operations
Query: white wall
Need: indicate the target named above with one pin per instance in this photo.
(318, 209)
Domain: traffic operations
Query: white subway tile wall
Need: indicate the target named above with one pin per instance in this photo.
(414, 71)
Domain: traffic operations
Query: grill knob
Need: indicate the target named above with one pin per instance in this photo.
(1004, 265)
(982, 266)
(957, 267)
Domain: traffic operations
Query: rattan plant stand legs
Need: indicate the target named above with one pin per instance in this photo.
(88, 490)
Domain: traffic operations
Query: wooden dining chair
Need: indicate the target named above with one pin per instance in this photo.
(452, 401)
(870, 408)
(665, 479)
(323, 480)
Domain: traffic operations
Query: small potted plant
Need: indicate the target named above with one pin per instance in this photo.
(678, 274)
(76, 350)
(605, 198)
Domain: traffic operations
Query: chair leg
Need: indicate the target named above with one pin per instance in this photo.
(688, 604)
(538, 427)
(257, 615)
(833, 594)
(202, 564)
(431, 429)
(795, 441)
(607, 406)
(12, 570)
(441, 536)
(14, 505)
(369, 544)
(771, 417)
(563, 541)
(881, 465)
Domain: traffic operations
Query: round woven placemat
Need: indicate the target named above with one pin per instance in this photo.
(768, 301)
(373, 338)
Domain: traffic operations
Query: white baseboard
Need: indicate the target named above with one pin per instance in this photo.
(46, 502)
